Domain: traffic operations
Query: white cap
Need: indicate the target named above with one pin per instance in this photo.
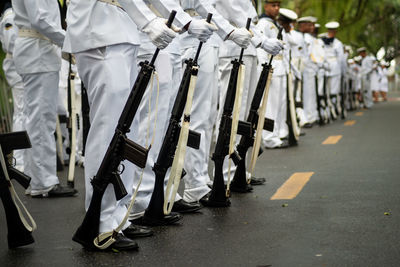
(357, 58)
(332, 25)
(307, 19)
(350, 61)
(290, 14)
(361, 49)
(317, 25)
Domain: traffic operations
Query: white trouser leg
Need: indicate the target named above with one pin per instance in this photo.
(366, 86)
(271, 139)
(109, 74)
(203, 113)
(282, 115)
(40, 109)
(310, 97)
(18, 120)
(167, 66)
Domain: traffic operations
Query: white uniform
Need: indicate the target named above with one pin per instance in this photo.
(8, 34)
(334, 57)
(237, 12)
(375, 78)
(204, 109)
(299, 53)
(367, 66)
(105, 41)
(384, 86)
(38, 61)
(312, 63)
(276, 105)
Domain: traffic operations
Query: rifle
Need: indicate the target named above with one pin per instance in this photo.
(72, 123)
(85, 116)
(319, 105)
(328, 101)
(119, 149)
(19, 231)
(291, 116)
(240, 183)
(155, 212)
(218, 196)
(343, 97)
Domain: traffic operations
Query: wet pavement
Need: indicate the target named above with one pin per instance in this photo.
(348, 214)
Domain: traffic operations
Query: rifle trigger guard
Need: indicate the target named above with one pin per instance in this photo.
(120, 171)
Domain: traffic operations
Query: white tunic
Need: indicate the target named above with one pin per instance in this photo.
(33, 55)
(334, 57)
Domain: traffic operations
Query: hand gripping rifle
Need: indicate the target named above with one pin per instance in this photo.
(119, 149)
(240, 182)
(219, 197)
(172, 151)
(19, 230)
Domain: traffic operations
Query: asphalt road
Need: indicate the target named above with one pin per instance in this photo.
(348, 213)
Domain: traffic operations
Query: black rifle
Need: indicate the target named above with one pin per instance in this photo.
(85, 116)
(343, 97)
(72, 124)
(292, 139)
(18, 235)
(154, 213)
(119, 149)
(239, 181)
(218, 196)
(319, 106)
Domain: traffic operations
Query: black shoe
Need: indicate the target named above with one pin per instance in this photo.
(58, 191)
(122, 243)
(169, 219)
(257, 181)
(183, 206)
(285, 144)
(308, 125)
(208, 202)
(134, 231)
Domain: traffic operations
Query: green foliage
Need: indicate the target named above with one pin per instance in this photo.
(373, 24)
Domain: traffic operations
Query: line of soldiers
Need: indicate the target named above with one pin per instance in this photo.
(108, 39)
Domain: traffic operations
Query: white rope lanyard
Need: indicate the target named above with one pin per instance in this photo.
(15, 198)
(235, 120)
(260, 127)
(111, 235)
(293, 116)
(180, 152)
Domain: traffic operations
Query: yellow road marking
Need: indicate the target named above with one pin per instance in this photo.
(292, 187)
(360, 113)
(331, 140)
(350, 123)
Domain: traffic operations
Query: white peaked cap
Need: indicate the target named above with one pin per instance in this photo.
(332, 25)
(307, 19)
(290, 14)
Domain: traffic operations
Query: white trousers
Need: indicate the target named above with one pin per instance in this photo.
(109, 74)
(18, 120)
(202, 118)
(249, 87)
(168, 67)
(276, 110)
(310, 97)
(40, 110)
(367, 91)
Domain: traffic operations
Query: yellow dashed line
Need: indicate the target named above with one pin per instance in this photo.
(292, 187)
(359, 113)
(331, 140)
(350, 123)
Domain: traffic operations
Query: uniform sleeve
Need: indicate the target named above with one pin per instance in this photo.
(203, 7)
(41, 16)
(138, 12)
(166, 6)
(9, 33)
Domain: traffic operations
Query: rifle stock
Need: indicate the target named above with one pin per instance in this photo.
(18, 235)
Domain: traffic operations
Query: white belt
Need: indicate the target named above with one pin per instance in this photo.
(9, 55)
(192, 12)
(111, 2)
(30, 33)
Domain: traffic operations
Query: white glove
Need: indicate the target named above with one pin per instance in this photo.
(158, 32)
(201, 29)
(272, 45)
(65, 56)
(241, 36)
